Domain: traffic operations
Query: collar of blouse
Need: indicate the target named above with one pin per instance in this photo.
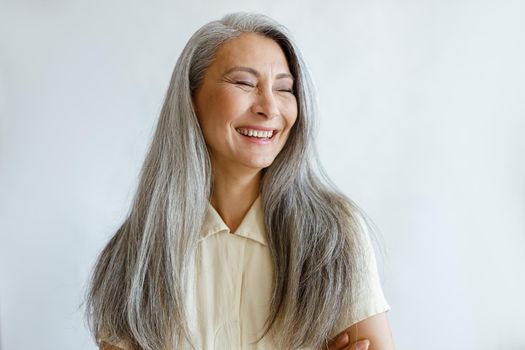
(251, 227)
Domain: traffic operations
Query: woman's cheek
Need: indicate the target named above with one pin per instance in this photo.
(291, 115)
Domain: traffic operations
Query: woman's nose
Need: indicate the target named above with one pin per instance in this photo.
(265, 104)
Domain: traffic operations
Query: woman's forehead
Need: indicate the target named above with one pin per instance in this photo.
(250, 50)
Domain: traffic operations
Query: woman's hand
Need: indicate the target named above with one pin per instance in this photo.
(341, 342)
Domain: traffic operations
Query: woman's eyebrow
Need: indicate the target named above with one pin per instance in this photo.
(256, 73)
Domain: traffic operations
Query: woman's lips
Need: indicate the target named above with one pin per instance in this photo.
(257, 140)
(257, 127)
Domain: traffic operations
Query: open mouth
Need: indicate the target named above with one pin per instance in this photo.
(257, 134)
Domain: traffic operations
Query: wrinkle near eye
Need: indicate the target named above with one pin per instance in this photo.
(227, 80)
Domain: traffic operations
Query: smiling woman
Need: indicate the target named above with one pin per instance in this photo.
(236, 237)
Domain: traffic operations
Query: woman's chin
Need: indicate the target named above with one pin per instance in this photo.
(259, 164)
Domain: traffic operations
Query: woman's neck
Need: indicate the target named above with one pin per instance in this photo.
(233, 194)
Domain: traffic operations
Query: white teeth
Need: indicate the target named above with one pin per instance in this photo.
(256, 133)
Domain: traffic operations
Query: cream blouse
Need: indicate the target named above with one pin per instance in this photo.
(233, 285)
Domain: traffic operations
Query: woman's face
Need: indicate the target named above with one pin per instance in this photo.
(247, 90)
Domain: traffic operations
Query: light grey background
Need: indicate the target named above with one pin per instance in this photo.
(422, 124)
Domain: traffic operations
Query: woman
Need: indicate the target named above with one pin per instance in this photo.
(236, 238)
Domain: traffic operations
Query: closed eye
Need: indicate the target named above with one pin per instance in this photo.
(245, 83)
(251, 85)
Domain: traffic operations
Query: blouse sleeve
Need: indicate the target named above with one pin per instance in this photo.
(370, 299)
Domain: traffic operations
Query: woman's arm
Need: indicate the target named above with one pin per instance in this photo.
(375, 329)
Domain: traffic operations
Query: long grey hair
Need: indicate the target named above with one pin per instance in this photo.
(140, 281)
